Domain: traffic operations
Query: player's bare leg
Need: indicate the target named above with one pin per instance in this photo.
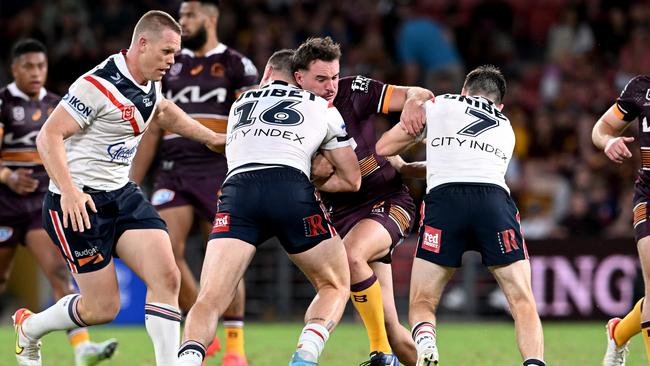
(7, 254)
(50, 261)
(97, 303)
(398, 336)
(515, 281)
(225, 262)
(643, 246)
(233, 323)
(368, 240)
(326, 268)
(179, 223)
(149, 254)
(428, 280)
(53, 265)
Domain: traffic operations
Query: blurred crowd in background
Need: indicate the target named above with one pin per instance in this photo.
(565, 62)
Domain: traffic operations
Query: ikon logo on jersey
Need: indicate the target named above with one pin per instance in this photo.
(432, 239)
(221, 223)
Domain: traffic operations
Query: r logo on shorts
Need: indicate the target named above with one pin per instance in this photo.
(472, 216)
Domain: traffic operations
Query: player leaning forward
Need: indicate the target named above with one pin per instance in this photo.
(469, 143)
(92, 211)
(273, 132)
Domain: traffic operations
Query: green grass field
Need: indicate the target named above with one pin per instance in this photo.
(485, 344)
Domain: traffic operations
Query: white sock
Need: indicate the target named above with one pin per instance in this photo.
(62, 315)
(424, 336)
(163, 323)
(191, 353)
(312, 341)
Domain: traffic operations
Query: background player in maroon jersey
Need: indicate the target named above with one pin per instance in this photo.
(375, 219)
(204, 81)
(633, 103)
(24, 106)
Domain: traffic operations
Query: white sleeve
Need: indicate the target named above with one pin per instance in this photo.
(337, 136)
(83, 101)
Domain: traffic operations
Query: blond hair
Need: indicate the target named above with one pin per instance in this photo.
(154, 22)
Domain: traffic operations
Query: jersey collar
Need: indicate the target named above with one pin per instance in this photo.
(221, 48)
(13, 89)
(120, 62)
(280, 82)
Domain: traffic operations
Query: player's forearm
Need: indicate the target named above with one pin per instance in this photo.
(418, 95)
(416, 170)
(52, 151)
(602, 133)
(408, 96)
(338, 183)
(173, 119)
(394, 141)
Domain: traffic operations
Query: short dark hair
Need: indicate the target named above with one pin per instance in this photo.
(282, 60)
(212, 4)
(318, 48)
(488, 81)
(26, 45)
(205, 2)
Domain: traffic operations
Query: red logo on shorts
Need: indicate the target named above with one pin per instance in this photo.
(432, 239)
(509, 240)
(314, 225)
(221, 223)
(127, 112)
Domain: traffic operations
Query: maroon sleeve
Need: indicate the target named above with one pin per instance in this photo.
(368, 96)
(243, 72)
(633, 96)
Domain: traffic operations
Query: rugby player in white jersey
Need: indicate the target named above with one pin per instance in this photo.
(273, 132)
(92, 211)
(469, 143)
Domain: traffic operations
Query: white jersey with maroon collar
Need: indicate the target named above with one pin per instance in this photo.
(278, 125)
(468, 141)
(113, 111)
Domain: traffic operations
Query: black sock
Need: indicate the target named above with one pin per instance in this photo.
(534, 362)
(192, 347)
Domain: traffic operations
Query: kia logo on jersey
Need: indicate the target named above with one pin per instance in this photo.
(127, 112)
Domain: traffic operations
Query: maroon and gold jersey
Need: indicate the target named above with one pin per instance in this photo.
(359, 100)
(205, 88)
(20, 120)
(633, 103)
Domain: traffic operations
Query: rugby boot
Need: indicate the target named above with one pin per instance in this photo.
(296, 360)
(213, 348)
(91, 354)
(381, 359)
(233, 359)
(428, 358)
(615, 355)
(28, 351)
